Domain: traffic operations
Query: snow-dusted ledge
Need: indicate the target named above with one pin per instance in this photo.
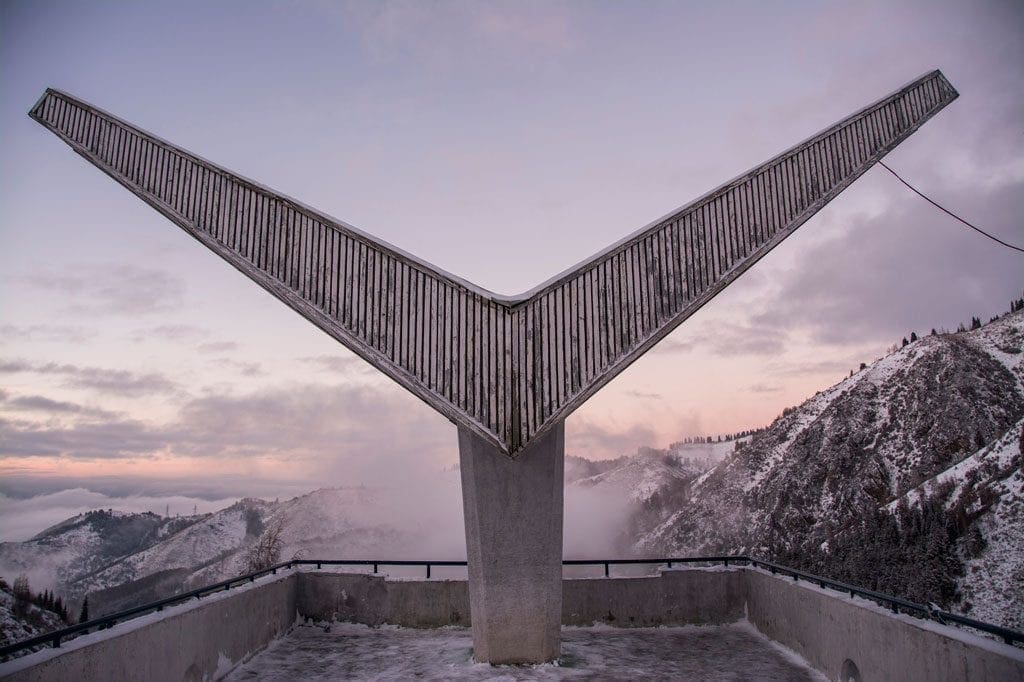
(853, 638)
(195, 640)
(840, 636)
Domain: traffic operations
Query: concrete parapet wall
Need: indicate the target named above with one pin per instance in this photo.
(205, 639)
(200, 640)
(839, 635)
(676, 597)
(374, 600)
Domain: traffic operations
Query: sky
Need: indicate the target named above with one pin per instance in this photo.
(502, 142)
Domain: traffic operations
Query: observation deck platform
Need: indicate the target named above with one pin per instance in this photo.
(358, 652)
(727, 618)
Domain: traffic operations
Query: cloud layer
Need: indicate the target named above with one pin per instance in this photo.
(115, 382)
(120, 289)
(314, 423)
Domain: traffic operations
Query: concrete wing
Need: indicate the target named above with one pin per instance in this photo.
(579, 330)
(438, 336)
(506, 368)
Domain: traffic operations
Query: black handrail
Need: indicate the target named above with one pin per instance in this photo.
(894, 603)
(109, 621)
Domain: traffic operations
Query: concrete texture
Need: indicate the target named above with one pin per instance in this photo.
(513, 513)
(676, 597)
(838, 634)
(355, 652)
(373, 600)
(506, 368)
(834, 633)
(199, 640)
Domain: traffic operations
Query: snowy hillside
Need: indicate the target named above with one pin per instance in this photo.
(83, 544)
(641, 477)
(120, 559)
(987, 488)
(804, 489)
(20, 619)
(331, 522)
(206, 540)
(707, 454)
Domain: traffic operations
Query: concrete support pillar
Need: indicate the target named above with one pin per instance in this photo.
(513, 511)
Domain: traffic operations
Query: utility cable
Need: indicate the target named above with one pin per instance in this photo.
(946, 210)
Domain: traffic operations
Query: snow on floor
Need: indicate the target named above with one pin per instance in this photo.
(345, 651)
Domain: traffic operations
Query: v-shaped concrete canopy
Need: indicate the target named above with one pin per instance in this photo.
(508, 369)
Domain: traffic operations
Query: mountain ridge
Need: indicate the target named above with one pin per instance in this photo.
(816, 479)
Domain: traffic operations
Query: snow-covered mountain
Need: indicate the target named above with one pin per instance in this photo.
(84, 544)
(936, 425)
(121, 559)
(208, 540)
(985, 492)
(642, 476)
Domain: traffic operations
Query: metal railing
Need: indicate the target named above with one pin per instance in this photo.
(895, 604)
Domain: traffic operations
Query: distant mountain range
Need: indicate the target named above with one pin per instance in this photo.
(907, 477)
(120, 559)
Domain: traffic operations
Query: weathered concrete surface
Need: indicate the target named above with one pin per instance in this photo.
(374, 600)
(504, 367)
(356, 652)
(205, 639)
(199, 640)
(513, 512)
(676, 597)
(829, 630)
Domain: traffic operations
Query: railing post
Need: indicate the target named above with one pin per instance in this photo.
(375, 568)
(606, 569)
(56, 642)
(727, 562)
(318, 565)
(428, 571)
(670, 564)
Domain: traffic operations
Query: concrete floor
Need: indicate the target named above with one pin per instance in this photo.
(345, 652)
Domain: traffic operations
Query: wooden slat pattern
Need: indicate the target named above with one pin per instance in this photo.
(507, 368)
(639, 291)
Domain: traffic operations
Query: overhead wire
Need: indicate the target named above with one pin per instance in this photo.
(947, 211)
